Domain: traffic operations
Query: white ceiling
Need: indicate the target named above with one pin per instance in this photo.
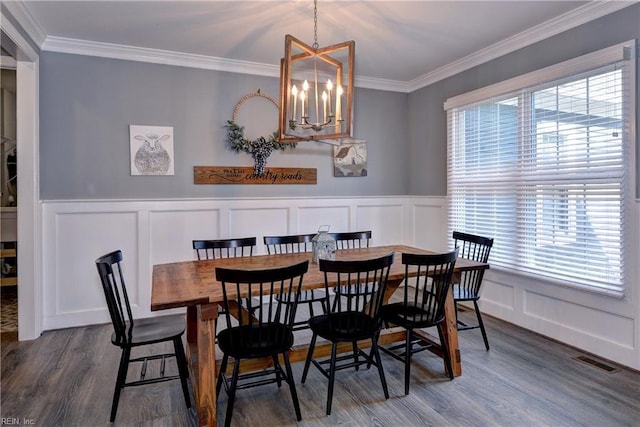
(400, 41)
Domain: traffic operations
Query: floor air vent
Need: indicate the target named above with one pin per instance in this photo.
(597, 364)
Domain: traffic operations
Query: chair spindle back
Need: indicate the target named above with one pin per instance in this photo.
(263, 291)
(224, 248)
(476, 248)
(428, 278)
(115, 292)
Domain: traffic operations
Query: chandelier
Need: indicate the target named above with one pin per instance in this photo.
(316, 89)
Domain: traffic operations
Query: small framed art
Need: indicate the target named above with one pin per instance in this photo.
(350, 158)
(151, 150)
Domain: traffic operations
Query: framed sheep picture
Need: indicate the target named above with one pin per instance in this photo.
(151, 150)
(350, 158)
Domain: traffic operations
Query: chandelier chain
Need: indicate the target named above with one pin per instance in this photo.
(315, 25)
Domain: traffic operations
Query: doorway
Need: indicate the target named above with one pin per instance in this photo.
(18, 44)
(8, 201)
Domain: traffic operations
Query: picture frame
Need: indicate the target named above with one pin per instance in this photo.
(350, 158)
(151, 149)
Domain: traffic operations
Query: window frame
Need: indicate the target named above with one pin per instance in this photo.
(525, 85)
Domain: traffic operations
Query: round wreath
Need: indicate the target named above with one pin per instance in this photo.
(260, 148)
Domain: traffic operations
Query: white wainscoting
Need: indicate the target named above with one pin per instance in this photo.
(75, 233)
(155, 232)
(605, 326)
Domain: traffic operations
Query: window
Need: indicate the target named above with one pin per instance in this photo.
(542, 164)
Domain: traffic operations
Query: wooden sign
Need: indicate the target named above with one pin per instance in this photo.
(245, 175)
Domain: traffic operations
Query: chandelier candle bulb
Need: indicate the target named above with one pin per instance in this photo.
(302, 96)
(294, 92)
(324, 104)
(329, 88)
(338, 103)
(305, 100)
(317, 99)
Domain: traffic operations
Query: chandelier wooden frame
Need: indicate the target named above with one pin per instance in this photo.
(295, 52)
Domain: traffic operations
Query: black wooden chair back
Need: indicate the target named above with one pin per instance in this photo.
(427, 282)
(476, 248)
(289, 244)
(262, 330)
(224, 248)
(352, 239)
(295, 244)
(268, 288)
(362, 284)
(115, 292)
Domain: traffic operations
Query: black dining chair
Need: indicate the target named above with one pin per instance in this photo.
(264, 330)
(296, 244)
(351, 319)
(130, 333)
(476, 248)
(427, 281)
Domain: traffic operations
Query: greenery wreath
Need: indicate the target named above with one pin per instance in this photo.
(260, 148)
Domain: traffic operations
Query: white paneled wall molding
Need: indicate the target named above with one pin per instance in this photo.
(151, 232)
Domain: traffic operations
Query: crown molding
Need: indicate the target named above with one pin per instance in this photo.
(579, 16)
(157, 56)
(26, 20)
(564, 22)
(380, 84)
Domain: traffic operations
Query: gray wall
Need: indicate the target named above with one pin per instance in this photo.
(87, 104)
(427, 120)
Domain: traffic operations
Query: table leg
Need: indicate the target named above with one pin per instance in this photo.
(450, 334)
(392, 286)
(192, 325)
(201, 336)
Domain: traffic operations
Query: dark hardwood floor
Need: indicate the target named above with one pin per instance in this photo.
(66, 378)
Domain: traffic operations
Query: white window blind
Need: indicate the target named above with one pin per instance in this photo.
(544, 170)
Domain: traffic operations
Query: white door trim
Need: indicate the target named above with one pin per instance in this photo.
(29, 211)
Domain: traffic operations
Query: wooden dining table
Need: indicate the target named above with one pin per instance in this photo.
(192, 284)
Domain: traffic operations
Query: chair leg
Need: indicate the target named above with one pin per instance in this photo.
(324, 307)
(232, 393)
(307, 362)
(292, 386)
(332, 376)
(481, 324)
(221, 377)
(354, 347)
(445, 351)
(376, 352)
(183, 368)
(120, 380)
(278, 368)
(310, 309)
(407, 362)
